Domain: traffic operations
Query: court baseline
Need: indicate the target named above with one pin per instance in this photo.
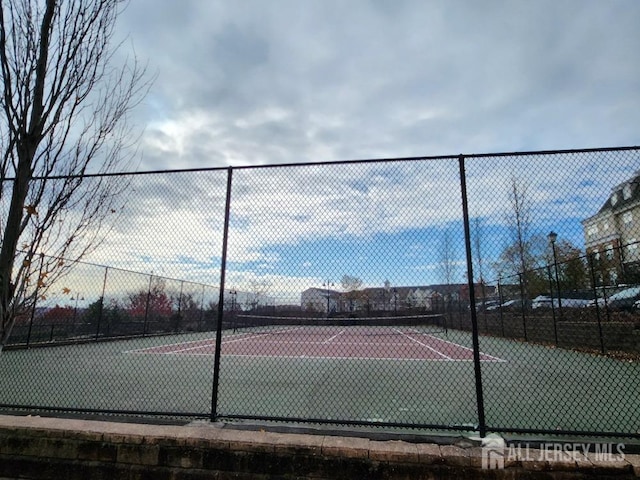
(332, 343)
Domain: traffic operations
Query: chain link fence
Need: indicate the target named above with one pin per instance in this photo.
(468, 293)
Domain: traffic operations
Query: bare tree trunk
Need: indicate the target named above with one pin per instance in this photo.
(9, 247)
(27, 137)
(479, 260)
(447, 259)
(64, 109)
(520, 223)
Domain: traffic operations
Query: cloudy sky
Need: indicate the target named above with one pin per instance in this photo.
(255, 82)
(252, 82)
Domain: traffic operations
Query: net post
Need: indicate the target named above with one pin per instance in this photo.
(446, 326)
(472, 300)
(101, 312)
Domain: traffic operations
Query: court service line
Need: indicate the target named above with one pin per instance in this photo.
(424, 344)
(204, 342)
(320, 357)
(497, 359)
(259, 335)
(335, 336)
(196, 344)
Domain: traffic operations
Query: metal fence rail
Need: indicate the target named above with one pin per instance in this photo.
(493, 292)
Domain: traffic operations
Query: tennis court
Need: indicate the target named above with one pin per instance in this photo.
(329, 342)
(420, 376)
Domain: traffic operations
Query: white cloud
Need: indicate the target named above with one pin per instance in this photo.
(274, 82)
(253, 83)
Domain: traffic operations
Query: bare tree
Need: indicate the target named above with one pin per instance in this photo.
(447, 265)
(523, 255)
(258, 289)
(351, 285)
(478, 257)
(478, 250)
(519, 220)
(386, 294)
(65, 109)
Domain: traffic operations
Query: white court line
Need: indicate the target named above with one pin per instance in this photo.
(262, 334)
(258, 335)
(207, 342)
(204, 341)
(497, 359)
(423, 344)
(321, 357)
(335, 336)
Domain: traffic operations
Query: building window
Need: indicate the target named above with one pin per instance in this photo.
(626, 191)
(613, 276)
(632, 247)
(614, 199)
(596, 254)
(605, 225)
(592, 230)
(627, 217)
(609, 252)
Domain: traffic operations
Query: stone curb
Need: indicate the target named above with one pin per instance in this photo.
(202, 446)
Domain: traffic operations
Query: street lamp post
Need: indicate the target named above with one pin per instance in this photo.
(387, 290)
(553, 236)
(328, 284)
(75, 312)
(395, 301)
(233, 294)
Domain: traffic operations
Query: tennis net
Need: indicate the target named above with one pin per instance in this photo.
(389, 325)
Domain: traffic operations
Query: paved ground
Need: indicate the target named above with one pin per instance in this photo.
(334, 378)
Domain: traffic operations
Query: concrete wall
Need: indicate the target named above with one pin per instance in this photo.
(49, 448)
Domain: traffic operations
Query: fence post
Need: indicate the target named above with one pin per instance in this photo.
(484, 306)
(178, 322)
(35, 299)
(553, 309)
(482, 427)
(500, 302)
(146, 307)
(595, 300)
(523, 306)
(623, 273)
(104, 287)
(223, 270)
(201, 317)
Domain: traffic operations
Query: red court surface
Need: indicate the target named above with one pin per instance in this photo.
(389, 343)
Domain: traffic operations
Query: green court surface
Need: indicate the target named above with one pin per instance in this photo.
(526, 386)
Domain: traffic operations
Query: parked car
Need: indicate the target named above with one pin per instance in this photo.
(543, 301)
(623, 300)
(488, 305)
(573, 302)
(593, 302)
(508, 304)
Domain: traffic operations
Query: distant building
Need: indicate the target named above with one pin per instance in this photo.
(389, 299)
(320, 300)
(612, 236)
